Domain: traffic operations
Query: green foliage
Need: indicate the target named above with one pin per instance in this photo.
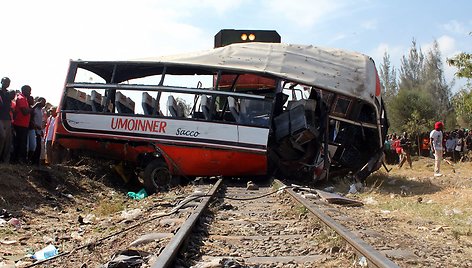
(423, 94)
(463, 63)
(388, 79)
(411, 68)
(462, 102)
(434, 82)
(412, 111)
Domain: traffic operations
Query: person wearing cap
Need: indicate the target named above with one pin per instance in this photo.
(436, 138)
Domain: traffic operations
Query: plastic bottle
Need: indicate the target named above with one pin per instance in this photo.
(45, 253)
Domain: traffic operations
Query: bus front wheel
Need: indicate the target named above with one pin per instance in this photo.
(156, 176)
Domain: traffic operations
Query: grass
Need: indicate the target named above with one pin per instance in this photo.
(6, 232)
(107, 207)
(414, 194)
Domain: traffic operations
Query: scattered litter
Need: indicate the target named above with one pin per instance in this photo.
(355, 188)
(217, 262)
(385, 211)
(310, 196)
(2, 222)
(68, 195)
(419, 200)
(456, 211)
(45, 253)
(76, 236)
(362, 261)
(352, 189)
(438, 229)
(252, 186)
(131, 214)
(5, 214)
(88, 219)
(139, 195)
(370, 201)
(337, 199)
(429, 201)
(8, 242)
(450, 212)
(15, 223)
(148, 238)
(329, 189)
(128, 258)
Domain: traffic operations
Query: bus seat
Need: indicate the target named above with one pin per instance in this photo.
(234, 109)
(130, 104)
(96, 101)
(206, 102)
(71, 99)
(123, 104)
(148, 104)
(172, 106)
(82, 104)
(88, 103)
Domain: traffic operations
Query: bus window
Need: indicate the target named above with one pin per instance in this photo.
(255, 112)
(342, 106)
(367, 114)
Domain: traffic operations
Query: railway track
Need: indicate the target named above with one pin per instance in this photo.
(267, 228)
(264, 227)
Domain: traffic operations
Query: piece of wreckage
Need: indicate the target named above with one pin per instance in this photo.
(253, 109)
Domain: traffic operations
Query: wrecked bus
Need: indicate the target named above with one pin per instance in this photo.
(313, 114)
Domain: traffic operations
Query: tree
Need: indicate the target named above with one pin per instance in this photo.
(411, 68)
(462, 102)
(463, 63)
(412, 111)
(433, 81)
(388, 80)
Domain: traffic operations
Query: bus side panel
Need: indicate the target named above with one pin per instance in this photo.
(201, 161)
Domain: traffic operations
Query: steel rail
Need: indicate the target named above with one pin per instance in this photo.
(366, 250)
(166, 257)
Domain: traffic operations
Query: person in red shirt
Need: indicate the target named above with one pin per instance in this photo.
(21, 121)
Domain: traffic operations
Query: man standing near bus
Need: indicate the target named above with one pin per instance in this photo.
(436, 139)
(5, 121)
(21, 123)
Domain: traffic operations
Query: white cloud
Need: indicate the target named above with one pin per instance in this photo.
(369, 24)
(395, 53)
(456, 27)
(447, 46)
(40, 39)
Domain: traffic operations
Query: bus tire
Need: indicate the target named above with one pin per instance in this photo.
(156, 176)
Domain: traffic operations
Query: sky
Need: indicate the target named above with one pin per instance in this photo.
(40, 37)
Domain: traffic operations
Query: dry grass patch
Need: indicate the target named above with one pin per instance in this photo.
(414, 195)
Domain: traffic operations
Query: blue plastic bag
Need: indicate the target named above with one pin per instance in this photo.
(139, 195)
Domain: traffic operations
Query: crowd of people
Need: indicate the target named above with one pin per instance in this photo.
(453, 145)
(26, 126)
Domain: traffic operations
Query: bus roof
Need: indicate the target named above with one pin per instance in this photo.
(340, 71)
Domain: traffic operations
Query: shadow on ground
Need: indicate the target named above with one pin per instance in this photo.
(402, 185)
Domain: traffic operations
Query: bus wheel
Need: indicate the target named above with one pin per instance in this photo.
(156, 176)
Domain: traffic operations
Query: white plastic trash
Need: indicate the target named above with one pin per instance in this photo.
(45, 253)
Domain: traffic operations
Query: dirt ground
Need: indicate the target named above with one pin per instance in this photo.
(53, 203)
